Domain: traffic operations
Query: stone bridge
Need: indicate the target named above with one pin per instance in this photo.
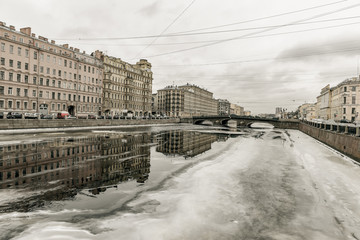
(247, 121)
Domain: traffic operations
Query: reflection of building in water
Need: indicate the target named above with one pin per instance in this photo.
(56, 169)
(128, 158)
(187, 144)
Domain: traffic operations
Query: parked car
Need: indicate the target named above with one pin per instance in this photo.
(108, 117)
(90, 116)
(70, 117)
(47, 116)
(1, 115)
(62, 115)
(345, 121)
(14, 115)
(30, 116)
(82, 117)
(100, 117)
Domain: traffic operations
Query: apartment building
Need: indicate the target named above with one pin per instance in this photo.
(307, 111)
(223, 107)
(323, 103)
(346, 100)
(36, 75)
(127, 87)
(186, 101)
(236, 109)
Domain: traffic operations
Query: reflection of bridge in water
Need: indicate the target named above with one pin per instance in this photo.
(242, 121)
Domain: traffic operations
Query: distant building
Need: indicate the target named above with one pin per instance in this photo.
(185, 101)
(324, 103)
(39, 76)
(237, 110)
(223, 107)
(247, 113)
(307, 111)
(127, 87)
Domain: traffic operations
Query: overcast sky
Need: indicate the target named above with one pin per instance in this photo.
(259, 54)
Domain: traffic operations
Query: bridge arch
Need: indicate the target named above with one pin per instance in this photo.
(260, 124)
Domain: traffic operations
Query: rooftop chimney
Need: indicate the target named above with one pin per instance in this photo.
(33, 35)
(26, 30)
(2, 24)
(53, 41)
(12, 27)
(66, 45)
(71, 48)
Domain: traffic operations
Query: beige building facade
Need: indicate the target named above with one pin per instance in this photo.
(186, 101)
(346, 100)
(324, 103)
(127, 87)
(236, 109)
(39, 76)
(307, 111)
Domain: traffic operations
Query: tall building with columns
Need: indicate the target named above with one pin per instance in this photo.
(127, 87)
(37, 75)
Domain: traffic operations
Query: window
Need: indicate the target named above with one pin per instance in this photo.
(47, 82)
(353, 88)
(11, 76)
(17, 104)
(11, 63)
(41, 81)
(19, 51)
(47, 70)
(10, 91)
(353, 99)
(3, 47)
(345, 89)
(34, 93)
(59, 73)
(26, 79)
(35, 55)
(53, 95)
(60, 61)
(54, 71)
(18, 90)
(53, 83)
(10, 104)
(1, 103)
(26, 92)
(65, 63)
(41, 56)
(41, 69)
(2, 75)
(11, 49)
(34, 80)
(59, 97)
(25, 105)
(26, 66)
(40, 94)
(70, 64)
(19, 65)
(353, 110)
(27, 53)
(2, 61)
(59, 84)
(69, 97)
(34, 105)
(344, 111)
(35, 68)
(18, 77)
(1, 90)
(344, 100)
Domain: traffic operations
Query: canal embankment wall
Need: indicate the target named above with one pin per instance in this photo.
(12, 124)
(344, 139)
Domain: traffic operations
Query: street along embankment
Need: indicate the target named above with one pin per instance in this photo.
(343, 138)
(12, 124)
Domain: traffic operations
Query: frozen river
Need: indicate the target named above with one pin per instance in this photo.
(176, 182)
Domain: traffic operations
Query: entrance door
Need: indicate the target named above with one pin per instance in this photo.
(71, 110)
